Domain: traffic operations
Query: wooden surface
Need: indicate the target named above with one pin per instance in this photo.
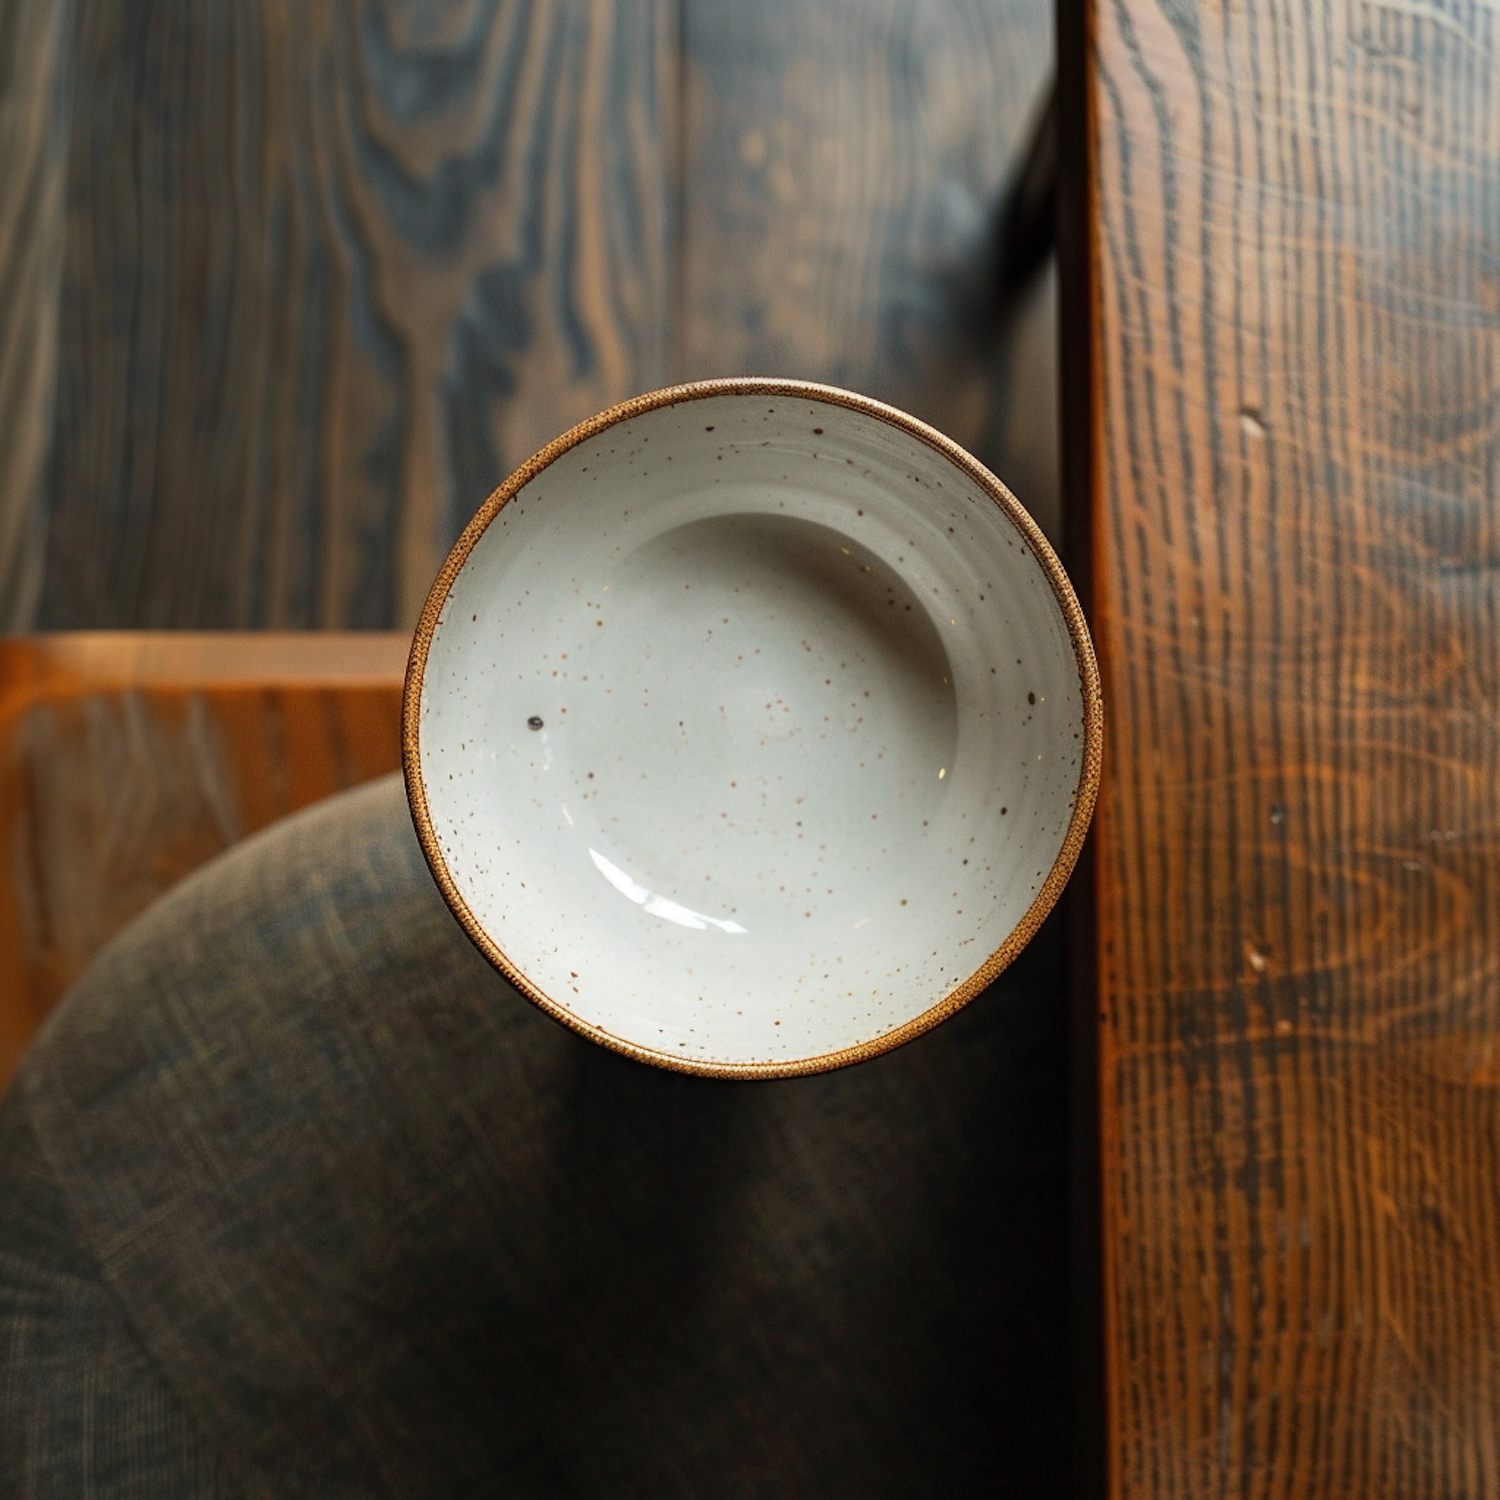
(330, 271)
(128, 760)
(33, 150)
(1289, 398)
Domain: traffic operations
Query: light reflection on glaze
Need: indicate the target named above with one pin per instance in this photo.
(658, 906)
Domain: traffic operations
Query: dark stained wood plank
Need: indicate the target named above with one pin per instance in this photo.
(33, 150)
(332, 270)
(1292, 351)
(127, 760)
(843, 163)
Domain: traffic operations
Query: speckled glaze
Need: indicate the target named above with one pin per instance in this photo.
(751, 728)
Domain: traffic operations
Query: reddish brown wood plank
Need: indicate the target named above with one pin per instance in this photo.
(1293, 404)
(128, 760)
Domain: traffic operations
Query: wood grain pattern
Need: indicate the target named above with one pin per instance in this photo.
(332, 270)
(844, 159)
(33, 150)
(1294, 237)
(126, 761)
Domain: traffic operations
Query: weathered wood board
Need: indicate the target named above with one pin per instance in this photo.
(33, 151)
(1291, 359)
(330, 271)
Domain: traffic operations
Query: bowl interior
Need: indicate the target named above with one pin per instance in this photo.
(750, 730)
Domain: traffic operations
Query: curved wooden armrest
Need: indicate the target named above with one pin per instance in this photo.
(127, 759)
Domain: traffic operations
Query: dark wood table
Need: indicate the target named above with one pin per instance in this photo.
(1282, 303)
(285, 290)
(289, 290)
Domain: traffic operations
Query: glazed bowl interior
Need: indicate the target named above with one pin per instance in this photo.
(751, 728)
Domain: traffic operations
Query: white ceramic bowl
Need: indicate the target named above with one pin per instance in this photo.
(751, 728)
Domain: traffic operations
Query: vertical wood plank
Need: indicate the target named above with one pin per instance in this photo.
(33, 149)
(842, 163)
(331, 269)
(1294, 230)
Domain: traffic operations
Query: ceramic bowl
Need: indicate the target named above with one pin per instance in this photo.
(751, 728)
